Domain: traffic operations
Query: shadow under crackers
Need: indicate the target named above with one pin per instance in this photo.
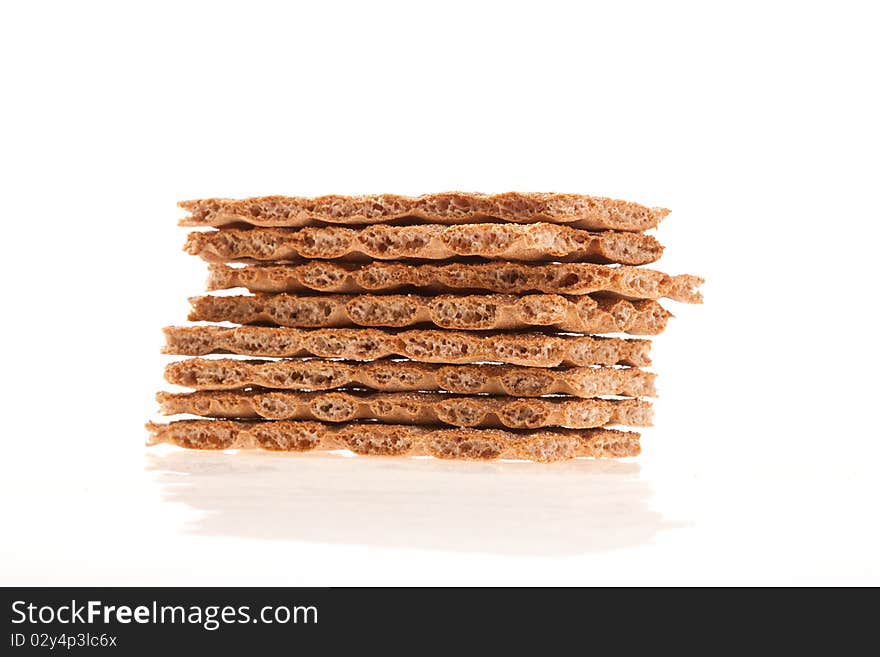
(512, 508)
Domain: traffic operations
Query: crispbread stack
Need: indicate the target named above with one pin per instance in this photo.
(451, 325)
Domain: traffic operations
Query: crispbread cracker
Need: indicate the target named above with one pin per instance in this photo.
(393, 376)
(411, 408)
(579, 314)
(397, 440)
(532, 242)
(426, 346)
(593, 213)
(503, 277)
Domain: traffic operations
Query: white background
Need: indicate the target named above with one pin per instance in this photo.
(757, 124)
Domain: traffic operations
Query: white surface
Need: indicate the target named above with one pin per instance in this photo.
(757, 125)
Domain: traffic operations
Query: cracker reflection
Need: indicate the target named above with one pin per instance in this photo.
(512, 508)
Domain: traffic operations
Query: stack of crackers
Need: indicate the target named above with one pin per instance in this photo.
(453, 325)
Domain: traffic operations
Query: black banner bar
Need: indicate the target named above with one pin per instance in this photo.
(148, 620)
